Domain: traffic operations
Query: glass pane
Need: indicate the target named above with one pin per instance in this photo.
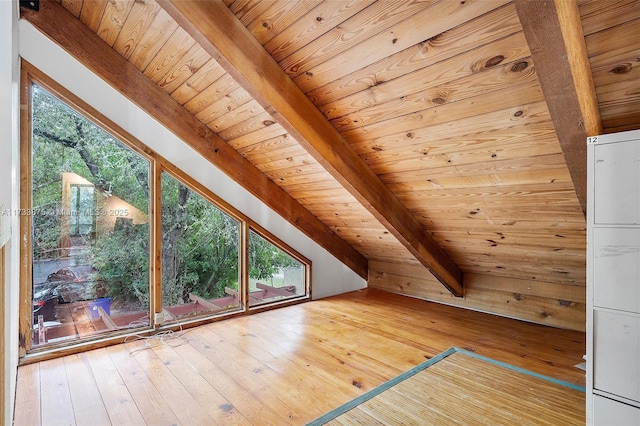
(200, 254)
(273, 274)
(90, 224)
(82, 210)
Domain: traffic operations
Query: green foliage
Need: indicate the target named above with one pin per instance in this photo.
(200, 243)
(265, 259)
(122, 262)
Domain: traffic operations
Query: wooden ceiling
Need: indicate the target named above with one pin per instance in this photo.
(445, 133)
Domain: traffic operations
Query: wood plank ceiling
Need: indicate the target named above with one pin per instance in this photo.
(440, 99)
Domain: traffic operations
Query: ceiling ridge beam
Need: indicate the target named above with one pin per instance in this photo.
(553, 30)
(226, 39)
(90, 50)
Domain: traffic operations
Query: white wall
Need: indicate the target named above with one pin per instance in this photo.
(9, 111)
(330, 276)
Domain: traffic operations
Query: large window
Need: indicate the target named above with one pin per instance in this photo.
(273, 274)
(120, 241)
(90, 226)
(200, 253)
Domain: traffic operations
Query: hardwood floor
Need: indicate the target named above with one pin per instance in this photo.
(463, 389)
(285, 366)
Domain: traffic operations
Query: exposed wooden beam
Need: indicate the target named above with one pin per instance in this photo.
(84, 45)
(554, 33)
(224, 37)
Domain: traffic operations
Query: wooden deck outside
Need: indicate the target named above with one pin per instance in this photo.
(284, 366)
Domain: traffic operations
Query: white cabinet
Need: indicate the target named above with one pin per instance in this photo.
(610, 412)
(613, 279)
(616, 268)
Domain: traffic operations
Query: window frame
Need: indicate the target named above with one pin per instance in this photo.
(270, 238)
(225, 207)
(27, 353)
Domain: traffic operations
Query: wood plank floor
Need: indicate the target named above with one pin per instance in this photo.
(463, 389)
(285, 366)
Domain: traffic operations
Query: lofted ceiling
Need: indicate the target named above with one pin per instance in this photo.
(445, 133)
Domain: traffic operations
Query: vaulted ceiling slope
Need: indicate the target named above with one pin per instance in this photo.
(444, 133)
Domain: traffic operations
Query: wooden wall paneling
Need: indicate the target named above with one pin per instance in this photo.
(505, 51)
(287, 156)
(218, 111)
(504, 247)
(278, 17)
(115, 14)
(282, 145)
(561, 264)
(615, 75)
(521, 94)
(248, 10)
(521, 194)
(556, 274)
(201, 104)
(506, 214)
(571, 293)
(375, 109)
(441, 178)
(609, 40)
(507, 113)
(315, 23)
(515, 119)
(567, 202)
(375, 19)
(597, 15)
(532, 305)
(73, 6)
(183, 69)
(621, 117)
(201, 79)
(154, 37)
(442, 160)
(316, 184)
(230, 43)
(493, 26)
(92, 12)
(250, 125)
(621, 96)
(404, 34)
(610, 69)
(283, 175)
(135, 27)
(301, 162)
(274, 130)
(169, 55)
(86, 47)
(462, 140)
(235, 116)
